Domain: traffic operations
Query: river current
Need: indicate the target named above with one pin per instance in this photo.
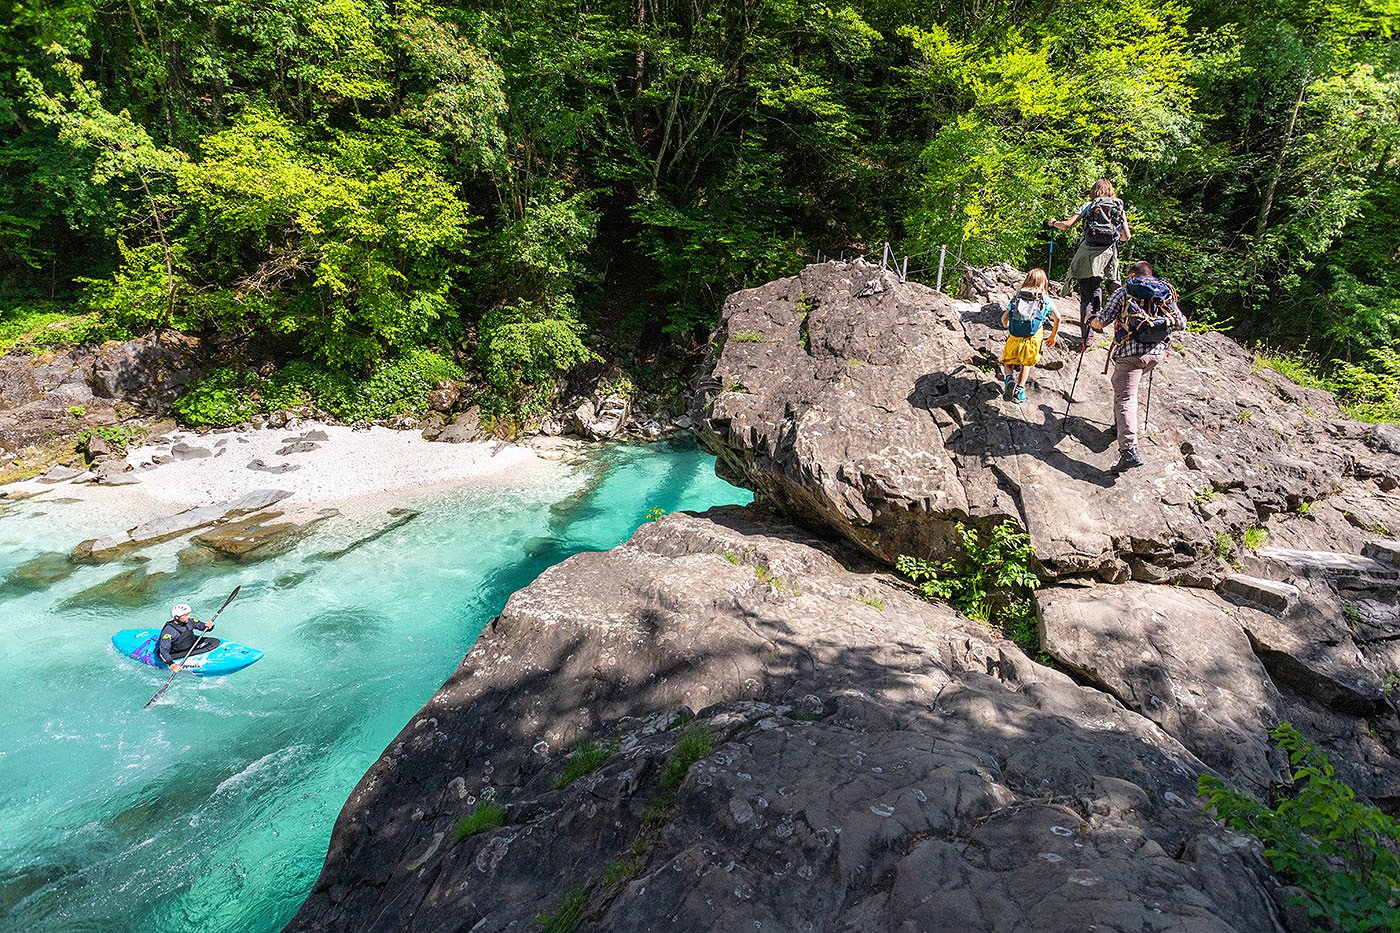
(211, 810)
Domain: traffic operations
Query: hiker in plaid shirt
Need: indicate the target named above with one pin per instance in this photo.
(1136, 349)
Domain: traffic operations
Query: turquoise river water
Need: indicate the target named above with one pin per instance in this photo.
(211, 810)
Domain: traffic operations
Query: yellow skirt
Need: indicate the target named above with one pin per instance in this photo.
(1022, 351)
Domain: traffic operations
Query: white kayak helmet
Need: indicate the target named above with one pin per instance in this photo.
(179, 609)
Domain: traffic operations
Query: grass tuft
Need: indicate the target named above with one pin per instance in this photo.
(586, 757)
(486, 817)
(568, 916)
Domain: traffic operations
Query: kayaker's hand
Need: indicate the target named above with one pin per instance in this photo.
(175, 667)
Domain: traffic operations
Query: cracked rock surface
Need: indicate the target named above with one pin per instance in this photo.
(874, 761)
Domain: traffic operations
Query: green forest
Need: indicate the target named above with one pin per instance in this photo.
(364, 192)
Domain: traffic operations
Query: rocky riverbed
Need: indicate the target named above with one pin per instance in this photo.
(784, 737)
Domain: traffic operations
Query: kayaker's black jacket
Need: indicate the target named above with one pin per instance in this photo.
(177, 638)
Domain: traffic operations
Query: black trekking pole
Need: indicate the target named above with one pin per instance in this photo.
(1083, 348)
(1147, 414)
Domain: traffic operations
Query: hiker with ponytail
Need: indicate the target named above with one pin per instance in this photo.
(1096, 258)
(1025, 319)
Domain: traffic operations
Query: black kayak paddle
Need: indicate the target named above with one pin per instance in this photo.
(161, 692)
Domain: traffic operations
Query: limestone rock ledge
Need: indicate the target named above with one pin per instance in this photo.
(870, 409)
(877, 763)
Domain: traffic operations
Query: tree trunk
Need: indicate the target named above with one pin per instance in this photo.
(1262, 223)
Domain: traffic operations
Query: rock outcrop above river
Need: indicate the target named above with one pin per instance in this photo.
(863, 758)
(871, 409)
(871, 760)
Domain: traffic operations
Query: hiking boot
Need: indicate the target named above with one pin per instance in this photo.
(1007, 385)
(1127, 460)
(1020, 395)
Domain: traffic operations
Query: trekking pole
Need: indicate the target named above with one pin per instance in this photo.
(1083, 348)
(1147, 415)
(1050, 263)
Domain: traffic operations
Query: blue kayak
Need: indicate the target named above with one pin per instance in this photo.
(229, 656)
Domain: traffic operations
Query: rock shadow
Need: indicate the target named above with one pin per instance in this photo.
(987, 432)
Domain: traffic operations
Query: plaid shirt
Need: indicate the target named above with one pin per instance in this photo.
(1118, 307)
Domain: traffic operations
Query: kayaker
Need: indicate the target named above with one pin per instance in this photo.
(178, 639)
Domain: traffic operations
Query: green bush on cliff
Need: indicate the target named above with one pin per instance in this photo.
(991, 581)
(1343, 853)
(228, 396)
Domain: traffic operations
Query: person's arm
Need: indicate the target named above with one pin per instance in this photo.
(1109, 314)
(163, 645)
(1125, 234)
(1066, 223)
(1006, 318)
(202, 626)
(1054, 326)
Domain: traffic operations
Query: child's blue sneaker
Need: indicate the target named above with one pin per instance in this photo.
(1007, 385)
(1020, 395)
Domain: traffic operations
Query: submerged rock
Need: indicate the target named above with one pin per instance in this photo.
(868, 760)
(259, 536)
(172, 526)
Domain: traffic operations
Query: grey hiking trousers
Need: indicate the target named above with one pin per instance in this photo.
(1128, 373)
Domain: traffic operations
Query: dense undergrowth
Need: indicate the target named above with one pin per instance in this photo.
(230, 396)
(1365, 393)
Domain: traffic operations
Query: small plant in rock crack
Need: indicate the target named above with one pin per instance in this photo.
(694, 744)
(1224, 546)
(486, 817)
(1344, 854)
(568, 916)
(655, 514)
(1205, 495)
(992, 580)
(1255, 538)
(746, 336)
(587, 756)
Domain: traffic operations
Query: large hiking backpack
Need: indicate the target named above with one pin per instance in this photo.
(1103, 221)
(1028, 312)
(1147, 317)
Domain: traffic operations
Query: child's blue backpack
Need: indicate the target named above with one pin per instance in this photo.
(1028, 313)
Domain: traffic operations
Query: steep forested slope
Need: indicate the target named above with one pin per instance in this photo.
(346, 181)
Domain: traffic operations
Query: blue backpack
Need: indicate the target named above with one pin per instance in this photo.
(1147, 316)
(1029, 311)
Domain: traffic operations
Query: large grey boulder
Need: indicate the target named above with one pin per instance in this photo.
(1181, 658)
(148, 372)
(874, 762)
(870, 408)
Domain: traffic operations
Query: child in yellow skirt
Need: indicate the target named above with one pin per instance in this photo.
(1025, 318)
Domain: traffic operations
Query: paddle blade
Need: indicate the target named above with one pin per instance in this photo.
(161, 692)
